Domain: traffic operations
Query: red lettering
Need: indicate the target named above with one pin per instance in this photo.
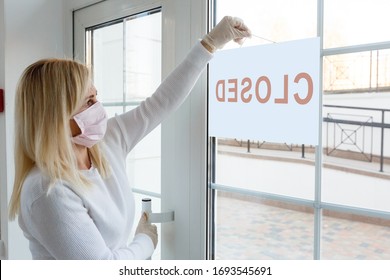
(268, 83)
(245, 94)
(309, 95)
(245, 89)
(283, 100)
(233, 90)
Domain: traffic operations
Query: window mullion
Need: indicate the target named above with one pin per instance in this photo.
(124, 65)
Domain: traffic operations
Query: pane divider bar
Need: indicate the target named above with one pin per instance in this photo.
(265, 195)
(305, 202)
(318, 148)
(148, 193)
(356, 48)
(120, 104)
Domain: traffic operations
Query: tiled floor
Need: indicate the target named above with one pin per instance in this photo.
(253, 230)
(257, 230)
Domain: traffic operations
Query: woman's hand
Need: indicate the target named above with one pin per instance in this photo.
(147, 228)
(229, 28)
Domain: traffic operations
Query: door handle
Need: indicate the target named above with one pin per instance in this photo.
(164, 217)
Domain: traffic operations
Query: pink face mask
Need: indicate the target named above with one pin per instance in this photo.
(92, 123)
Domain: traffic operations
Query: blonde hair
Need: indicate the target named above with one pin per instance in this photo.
(49, 93)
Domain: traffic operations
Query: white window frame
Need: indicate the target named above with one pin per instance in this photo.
(184, 133)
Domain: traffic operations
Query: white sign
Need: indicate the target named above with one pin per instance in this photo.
(268, 92)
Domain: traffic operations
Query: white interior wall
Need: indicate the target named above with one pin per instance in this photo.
(30, 31)
(3, 200)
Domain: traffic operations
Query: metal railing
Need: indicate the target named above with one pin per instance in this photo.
(365, 71)
(371, 122)
(382, 125)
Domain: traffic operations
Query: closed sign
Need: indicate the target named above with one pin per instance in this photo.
(268, 92)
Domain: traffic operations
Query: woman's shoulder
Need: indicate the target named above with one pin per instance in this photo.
(35, 182)
(37, 185)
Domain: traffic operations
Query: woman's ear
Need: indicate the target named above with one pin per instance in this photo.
(74, 128)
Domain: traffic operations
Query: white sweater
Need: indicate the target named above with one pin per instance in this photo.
(96, 225)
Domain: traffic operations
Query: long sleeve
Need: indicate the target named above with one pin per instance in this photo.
(138, 122)
(60, 223)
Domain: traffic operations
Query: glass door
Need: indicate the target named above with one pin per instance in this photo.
(126, 42)
(125, 57)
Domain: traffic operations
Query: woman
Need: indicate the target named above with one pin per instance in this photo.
(71, 191)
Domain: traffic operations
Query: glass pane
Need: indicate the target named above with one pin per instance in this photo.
(356, 172)
(276, 168)
(364, 24)
(127, 69)
(357, 72)
(107, 62)
(354, 182)
(353, 149)
(143, 75)
(143, 56)
(382, 78)
(253, 228)
(272, 21)
(142, 67)
(354, 237)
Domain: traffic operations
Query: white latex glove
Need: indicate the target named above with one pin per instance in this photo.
(147, 228)
(229, 28)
